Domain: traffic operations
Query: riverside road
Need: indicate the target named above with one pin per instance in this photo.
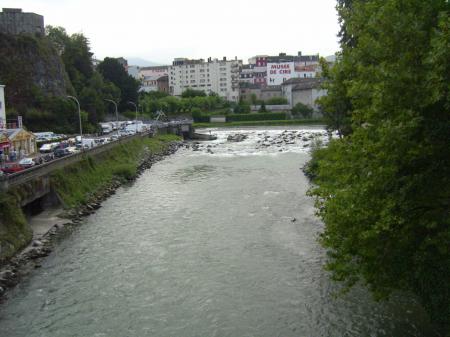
(218, 239)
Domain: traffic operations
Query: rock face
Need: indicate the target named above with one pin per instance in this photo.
(29, 62)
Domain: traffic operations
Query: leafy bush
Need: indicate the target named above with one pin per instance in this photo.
(256, 117)
(126, 171)
(262, 108)
(198, 117)
(189, 93)
(277, 101)
(242, 107)
(304, 110)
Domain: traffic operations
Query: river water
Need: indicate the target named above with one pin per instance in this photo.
(220, 241)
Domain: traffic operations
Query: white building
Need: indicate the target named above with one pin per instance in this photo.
(218, 76)
(303, 90)
(2, 108)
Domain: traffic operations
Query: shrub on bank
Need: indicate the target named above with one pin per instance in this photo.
(256, 117)
(126, 171)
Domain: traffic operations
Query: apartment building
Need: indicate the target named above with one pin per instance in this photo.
(213, 75)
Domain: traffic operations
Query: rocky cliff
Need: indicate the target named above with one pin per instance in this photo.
(31, 68)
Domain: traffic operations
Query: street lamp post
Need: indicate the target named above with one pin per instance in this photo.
(117, 114)
(79, 118)
(135, 106)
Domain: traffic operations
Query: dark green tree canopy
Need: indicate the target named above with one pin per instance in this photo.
(114, 72)
(193, 93)
(383, 190)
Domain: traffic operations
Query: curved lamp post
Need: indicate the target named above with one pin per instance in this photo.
(135, 106)
(117, 114)
(79, 118)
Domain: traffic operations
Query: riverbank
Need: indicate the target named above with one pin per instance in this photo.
(80, 188)
(290, 122)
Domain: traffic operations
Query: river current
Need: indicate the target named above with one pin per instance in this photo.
(216, 241)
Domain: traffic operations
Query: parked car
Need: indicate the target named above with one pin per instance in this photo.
(49, 147)
(46, 148)
(72, 149)
(12, 168)
(61, 152)
(47, 157)
(27, 162)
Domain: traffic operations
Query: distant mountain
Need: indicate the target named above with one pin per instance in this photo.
(136, 61)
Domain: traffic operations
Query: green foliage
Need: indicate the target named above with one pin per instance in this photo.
(261, 123)
(114, 72)
(172, 105)
(198, 117)
(383, 189)
(256, 117)
(277, 101)
(303, 110)
(262, 108)
(190, 93)
(125, 171)
(154, 95)
(40, 71)
(336, 106)
(14, 230)
(75, 183)
(242, 108)
(31, 69)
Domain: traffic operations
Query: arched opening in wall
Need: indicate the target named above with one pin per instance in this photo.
(38, 205)
(34, 208)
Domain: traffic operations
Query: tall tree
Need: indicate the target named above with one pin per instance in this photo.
(383, 191)
(114, 72)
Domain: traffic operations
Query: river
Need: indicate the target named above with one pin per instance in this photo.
(221, 241)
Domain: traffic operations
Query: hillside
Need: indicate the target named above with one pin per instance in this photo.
(30, 67)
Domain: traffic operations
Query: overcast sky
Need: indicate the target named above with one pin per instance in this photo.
(161, 30)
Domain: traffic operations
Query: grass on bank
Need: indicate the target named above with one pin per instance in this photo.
(261, 123)
(14, 230)
(75, 183)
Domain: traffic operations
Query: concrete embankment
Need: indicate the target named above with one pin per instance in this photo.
(79, 190)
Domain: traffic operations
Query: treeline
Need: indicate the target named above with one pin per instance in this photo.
(383, 187)
(191, 101)
(60, 64)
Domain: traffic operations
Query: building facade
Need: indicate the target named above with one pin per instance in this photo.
(155, 83)
(157, 71)
(213, 75)
(154, 78)
(303, 90)
(13, 21)
(274, 70)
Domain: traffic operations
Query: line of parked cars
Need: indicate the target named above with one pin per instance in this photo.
(52, 148)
